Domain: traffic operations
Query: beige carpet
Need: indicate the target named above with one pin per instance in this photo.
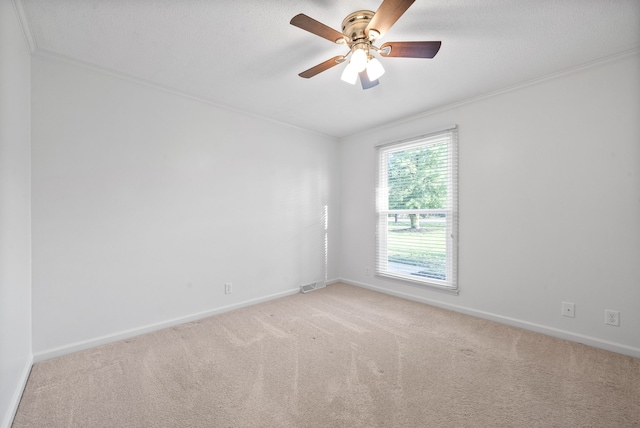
(337, 357)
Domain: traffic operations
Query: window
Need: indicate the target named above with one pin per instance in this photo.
(416, 205)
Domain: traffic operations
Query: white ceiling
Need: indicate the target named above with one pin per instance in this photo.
(246, 56)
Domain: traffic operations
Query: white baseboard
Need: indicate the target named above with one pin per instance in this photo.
(17, 395)
(538, 328)
(91, 343)
(562, 334)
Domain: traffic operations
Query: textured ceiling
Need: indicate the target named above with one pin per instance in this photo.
(244, 54)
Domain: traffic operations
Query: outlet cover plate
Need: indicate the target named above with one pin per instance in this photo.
(612, 317)
(569, 309)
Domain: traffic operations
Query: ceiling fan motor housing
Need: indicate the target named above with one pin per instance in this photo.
(354, 25)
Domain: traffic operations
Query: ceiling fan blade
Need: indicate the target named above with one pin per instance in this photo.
(410, 49)
(387, 15)
(323, 66)
(318, 28)
(366, 83)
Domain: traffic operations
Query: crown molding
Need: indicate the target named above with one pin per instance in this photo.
(24, 24)
(52, 56)
(571, 70)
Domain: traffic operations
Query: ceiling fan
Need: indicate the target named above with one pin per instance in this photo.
(360, 30)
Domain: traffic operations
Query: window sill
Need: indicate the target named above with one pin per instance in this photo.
(419, 283)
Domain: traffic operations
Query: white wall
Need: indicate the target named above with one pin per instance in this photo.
(15, 212)
(549, 204)
(146, 202)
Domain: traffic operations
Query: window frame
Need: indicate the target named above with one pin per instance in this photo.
(450, 136)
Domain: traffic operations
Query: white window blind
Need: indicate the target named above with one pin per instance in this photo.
(417, 209)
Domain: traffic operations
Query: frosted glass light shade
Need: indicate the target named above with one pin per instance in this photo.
(374, 69)
(359, 60)
(350, 74)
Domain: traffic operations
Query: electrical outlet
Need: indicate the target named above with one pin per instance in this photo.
(612, 317)
(569, 309)
(367, 271)
(228, 287)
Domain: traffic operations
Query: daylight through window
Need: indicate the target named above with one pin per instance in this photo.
(417, 210)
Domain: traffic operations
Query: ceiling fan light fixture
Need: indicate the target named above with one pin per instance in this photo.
(349, 74)
(359, 59)
(360, 30)
(374, 69)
